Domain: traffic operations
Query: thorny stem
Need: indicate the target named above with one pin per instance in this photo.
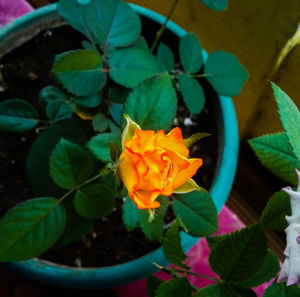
(175, 272)
(160, 32)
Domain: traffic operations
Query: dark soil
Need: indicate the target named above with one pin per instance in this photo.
(24, 72)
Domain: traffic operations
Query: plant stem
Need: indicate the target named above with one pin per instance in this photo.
(103, 172)
(174, 270)
(201, 75)
(160, 32)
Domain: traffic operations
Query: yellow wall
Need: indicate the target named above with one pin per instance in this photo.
(255, 31)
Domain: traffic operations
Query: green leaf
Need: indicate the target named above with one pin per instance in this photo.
(277, 208)
(17, 115)
(154, 230)
(290, 118)
(240, 254)
(172, 245)
(115, 111)
(130, 214)
(70, 165)
(198, 213)
(30, 228)
(76, 226)
(153, 103)
(224, 290)
(92, 100)
(52, 93)
(266, 271)
(275, 153)
(192, 93)
(94, 201)
(175, 287)
(80, 72)
(129, 67)
(37, 165)
(141, 44)
(153, 283)
(225, 73)
(109, 23)
(101, 143)
(281, 290)
(58, 110)
(100, 122)
(165, 56)
(218, 5)
(190, 52)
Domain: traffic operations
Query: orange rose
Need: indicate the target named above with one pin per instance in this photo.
(154, 164)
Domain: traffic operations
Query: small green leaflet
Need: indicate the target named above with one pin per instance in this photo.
(239, 255)
(172, 245)
(101, 145)
(290, 118)
(165, 56)
(190, 52)
(17, 115)
(174, 287)
(154, 230)
(92, 100)
(275, 153)
(225, 73)
(129, 67)
(141, 44)
(70, 165)
(152, 104)
(198, 212)
(218, 5)
(37, 164)
(277, 208)
(110, 23)
(192, 93)
(130, 214)
(100, 122)
(30, 228)
(58, 110)
(80, 72)
(52, 93)
(94, 201)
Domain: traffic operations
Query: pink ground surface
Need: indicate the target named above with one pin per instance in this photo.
(12, 9)
(198, 255)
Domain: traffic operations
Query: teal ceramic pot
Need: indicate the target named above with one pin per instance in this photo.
(25, 28)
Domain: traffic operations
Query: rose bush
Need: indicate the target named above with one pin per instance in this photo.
(154, 164)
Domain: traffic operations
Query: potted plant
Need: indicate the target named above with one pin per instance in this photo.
(77, 165)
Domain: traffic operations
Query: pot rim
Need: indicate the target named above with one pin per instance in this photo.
(108, 276)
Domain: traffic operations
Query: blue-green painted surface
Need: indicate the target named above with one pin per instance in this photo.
(96, 278)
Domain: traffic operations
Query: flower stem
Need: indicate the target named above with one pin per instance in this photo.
(160, 32)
